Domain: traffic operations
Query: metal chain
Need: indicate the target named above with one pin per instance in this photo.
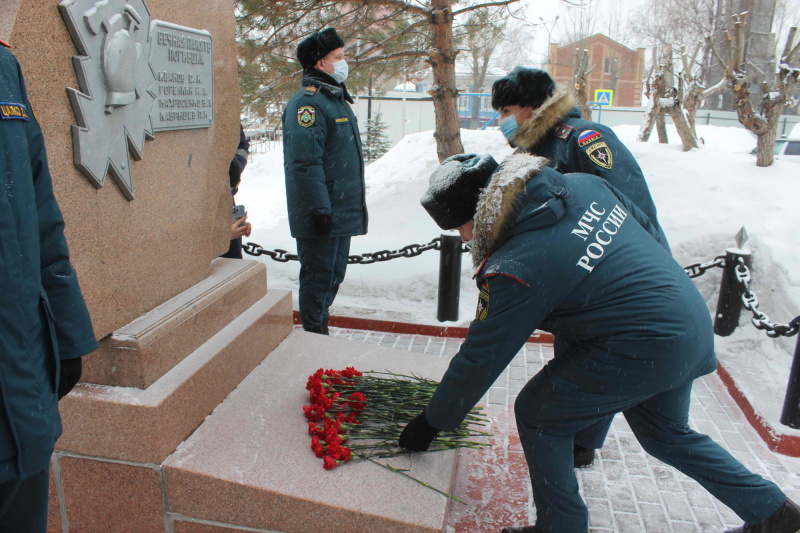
(698, 269)
(412, 250)
(282, 256)
(760, 319)
(749, 299)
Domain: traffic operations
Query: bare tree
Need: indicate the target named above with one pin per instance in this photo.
(672, 100)
(479, 38)
(666, 22)
(765, 122)
(694, 92)
(582, 71)
(649, 119)
(579, 21)
(517, 45)
(658, 79)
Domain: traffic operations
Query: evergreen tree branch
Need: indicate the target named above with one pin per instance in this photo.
(482, 6)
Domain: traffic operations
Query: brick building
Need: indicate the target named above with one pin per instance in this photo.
(616, 67)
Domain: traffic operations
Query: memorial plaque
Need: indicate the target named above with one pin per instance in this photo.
(182, 61)
(136, 77)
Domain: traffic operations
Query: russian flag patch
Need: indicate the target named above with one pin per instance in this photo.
(588, 137)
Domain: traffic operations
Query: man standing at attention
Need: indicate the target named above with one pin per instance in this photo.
(324, 168)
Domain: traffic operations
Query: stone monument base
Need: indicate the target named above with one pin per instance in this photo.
(218, 443)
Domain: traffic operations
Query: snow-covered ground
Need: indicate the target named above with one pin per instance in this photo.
(703, 198)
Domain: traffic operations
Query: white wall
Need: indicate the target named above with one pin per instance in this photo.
(400, 116)
(419, 116)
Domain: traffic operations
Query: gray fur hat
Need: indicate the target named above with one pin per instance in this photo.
(454, 188)
(523, 87)
(316, 46)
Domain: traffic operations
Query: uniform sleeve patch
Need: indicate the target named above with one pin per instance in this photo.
(601, 155)
(588, 137)
(11, 111)
(342, 120)
(482, 311)
(563, 131)
(306, 116)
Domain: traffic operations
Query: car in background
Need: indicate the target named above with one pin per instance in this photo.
(787, 149)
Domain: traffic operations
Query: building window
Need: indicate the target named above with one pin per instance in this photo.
(607, 65)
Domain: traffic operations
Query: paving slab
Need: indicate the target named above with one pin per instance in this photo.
(250, 463)
(626, 490)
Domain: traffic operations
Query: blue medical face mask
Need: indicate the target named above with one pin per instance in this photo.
(340, 70)
(508, 125)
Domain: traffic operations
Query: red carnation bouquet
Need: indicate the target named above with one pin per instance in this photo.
(359, 416)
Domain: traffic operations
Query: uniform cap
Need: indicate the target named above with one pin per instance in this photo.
(454, 188)
(523, 87)
(316, 46)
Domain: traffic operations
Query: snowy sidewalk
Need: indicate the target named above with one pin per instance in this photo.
(626, 490)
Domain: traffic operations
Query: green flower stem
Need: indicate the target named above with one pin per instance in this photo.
(402, 472)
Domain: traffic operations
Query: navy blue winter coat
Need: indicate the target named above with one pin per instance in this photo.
(571, 144)
(573, 256)
(43, 317)
(323, 163)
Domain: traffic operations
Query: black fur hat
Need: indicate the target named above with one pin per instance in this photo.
(523, 87)
(454, 188)
(316, 46)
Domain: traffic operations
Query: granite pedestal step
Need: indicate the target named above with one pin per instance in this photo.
(250, 465)
(146, 425)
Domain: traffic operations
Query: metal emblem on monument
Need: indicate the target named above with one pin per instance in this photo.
(135, 78)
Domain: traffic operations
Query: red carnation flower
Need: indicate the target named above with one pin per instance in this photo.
(329, 463)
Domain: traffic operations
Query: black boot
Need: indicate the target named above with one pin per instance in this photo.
(582, 457)
(785, 520)
(325, 326)
(316, 329)
(522, 529)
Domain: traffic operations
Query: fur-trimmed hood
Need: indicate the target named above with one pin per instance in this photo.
(544, 118)
(501, 213)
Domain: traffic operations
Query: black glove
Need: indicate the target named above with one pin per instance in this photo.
(71, 370)
(418, 434)
(322, 223)
(235, 173)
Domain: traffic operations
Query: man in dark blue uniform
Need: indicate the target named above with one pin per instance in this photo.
(324, 167)
(44, 323)
(542, 119)
(573, 256)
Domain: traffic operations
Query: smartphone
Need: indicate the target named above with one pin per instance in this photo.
(237, 212)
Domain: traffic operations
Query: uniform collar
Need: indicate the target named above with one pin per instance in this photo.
(553, 111)
(325, 83)
(498, 205)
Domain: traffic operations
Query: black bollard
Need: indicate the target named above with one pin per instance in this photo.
(449, 278)
(791, 404)
(729, 304)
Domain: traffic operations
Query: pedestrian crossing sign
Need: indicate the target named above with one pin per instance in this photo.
(603, 97)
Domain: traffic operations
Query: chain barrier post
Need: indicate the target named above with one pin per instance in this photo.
(449, 278)
(729, 304)
(790, 416)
